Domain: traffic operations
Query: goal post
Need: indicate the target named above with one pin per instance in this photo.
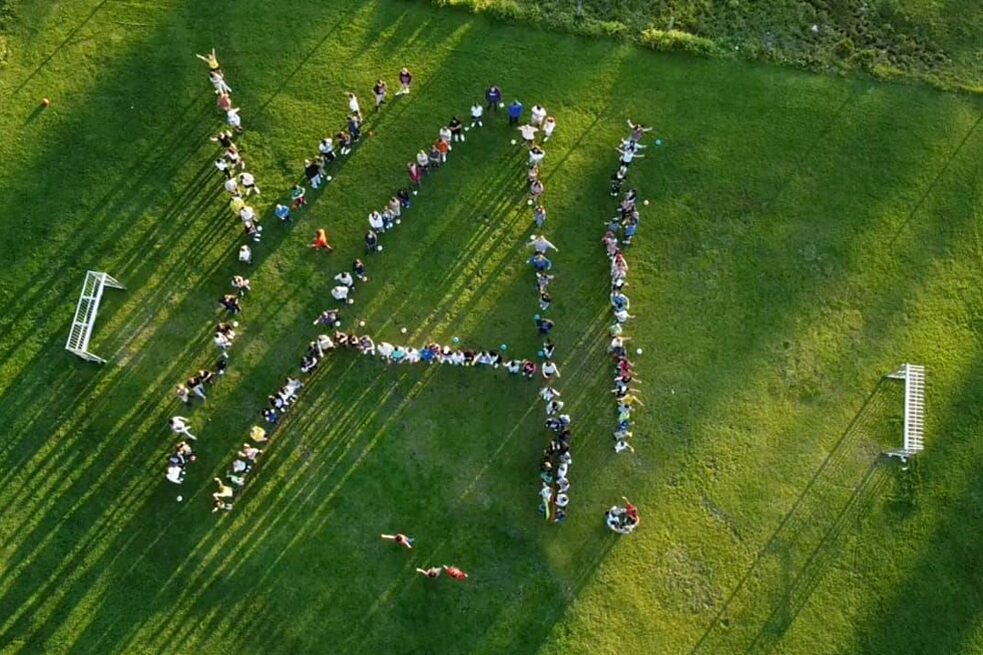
(85, 314)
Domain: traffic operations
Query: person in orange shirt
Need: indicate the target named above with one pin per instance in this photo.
(443, 148)
(456, 573)
(321, 241)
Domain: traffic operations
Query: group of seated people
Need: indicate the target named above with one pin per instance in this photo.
(432, 353)
(280, 401)
(622, 519)
(178, 462)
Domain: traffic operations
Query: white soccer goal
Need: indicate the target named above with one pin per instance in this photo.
(85, 314)
(913, 376)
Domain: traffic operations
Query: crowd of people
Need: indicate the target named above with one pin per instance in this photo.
(622, 519)
(620, 232)
(241, 185)
(554, 492)
(425, 163)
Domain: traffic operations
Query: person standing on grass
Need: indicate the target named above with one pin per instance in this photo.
(537, 115)
(542, 244)
(405, 80)
(353, 107)
(372, 241)
(456, 573)
(380, 90)
(245, 255)
(536, 156)
(415, 173)
(548, 126)
(432, 572)
(321, 241)
(400, 539)
(515, 112)
(536, 190)
(355, 126)
(528, 133)
(179, 424)
(493, 95)
(477, 111)
(358, 268)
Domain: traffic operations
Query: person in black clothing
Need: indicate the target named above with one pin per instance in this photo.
(457, 129)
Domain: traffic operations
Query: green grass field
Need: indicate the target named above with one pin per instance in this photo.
(807, 234)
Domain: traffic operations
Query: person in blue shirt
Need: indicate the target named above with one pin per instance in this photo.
(540, 262)
(515, 112)
(282, 212)
(494, 97)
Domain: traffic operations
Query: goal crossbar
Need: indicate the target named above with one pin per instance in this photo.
(85, 314)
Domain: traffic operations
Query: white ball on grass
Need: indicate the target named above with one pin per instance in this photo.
(513, 141)
(351, 301)
(235, 323)
(378, 248)
(398, 221)
(402, 331)
(645, 202)
(361, 324)
(501, 104)
(638, 351)
(415, 192)
(180, 498)
(529, 202)
(329, 178)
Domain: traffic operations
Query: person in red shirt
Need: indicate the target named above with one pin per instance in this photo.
(321, 241)
(456, 573)
(632, 513)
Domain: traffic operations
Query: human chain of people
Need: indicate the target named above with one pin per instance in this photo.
(557, 456)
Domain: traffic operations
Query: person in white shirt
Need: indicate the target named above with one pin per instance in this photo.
(376, 222)
(345, 278)
(248, 183)
(247, 214)
(550, 370)
(232, 116)
(340, 292)
(412, 355)
(513, 366)
(384, 349)
(353, 105)
(548, 126)
(536, 156)
(628, 155)
(231, 186)
(175, 474)
(528, 133)
(541, 243)
(537, 115)
(477, 112)
(445, 135)
(621, 446)
(245, 255)
(179, 425)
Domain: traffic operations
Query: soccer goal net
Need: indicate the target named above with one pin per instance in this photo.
(85, 314)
